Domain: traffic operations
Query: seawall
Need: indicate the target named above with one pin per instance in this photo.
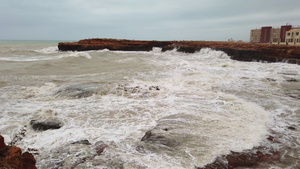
(236, 50)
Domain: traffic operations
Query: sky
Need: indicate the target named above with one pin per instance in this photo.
(210, 20)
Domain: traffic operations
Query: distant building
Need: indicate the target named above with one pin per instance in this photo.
(255, 35)
(292, 36)
(268, 34)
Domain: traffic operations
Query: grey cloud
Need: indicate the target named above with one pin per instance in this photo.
(142, 19)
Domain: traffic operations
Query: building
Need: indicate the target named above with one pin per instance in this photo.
(255, 35)
(292, 36)
(283, 32)
(269, 34)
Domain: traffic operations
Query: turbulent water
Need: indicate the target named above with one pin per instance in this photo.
(205, 103)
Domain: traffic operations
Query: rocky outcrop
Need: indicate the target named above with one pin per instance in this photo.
(12, 157)
(244, 159)
(77, 91)
(190, 133)
(45, 125)
(236, 50)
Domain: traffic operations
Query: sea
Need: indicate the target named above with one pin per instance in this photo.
(196, 106)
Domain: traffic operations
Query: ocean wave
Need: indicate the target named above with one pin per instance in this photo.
(43, 58)
(25, 58)
(52, 49)
(77, 55)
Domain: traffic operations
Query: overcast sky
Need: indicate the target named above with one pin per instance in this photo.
(211, 20)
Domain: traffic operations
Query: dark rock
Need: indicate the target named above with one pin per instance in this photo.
(243, 159)
(100, 146)
(2, 143)
(273, 139)
(292, 80)
(154, 88)
(45, 125)
(19, 136)
(220, 163)
(159, 139)
(292, 128)
(77, 91)
(28, 161)
(270, 79)
(236, 160)
(86, 142)
(12, 157)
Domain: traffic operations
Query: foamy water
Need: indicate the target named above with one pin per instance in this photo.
(206, 102)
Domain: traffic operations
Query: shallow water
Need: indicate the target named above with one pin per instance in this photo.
(209, 104)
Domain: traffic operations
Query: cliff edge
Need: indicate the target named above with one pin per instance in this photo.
(236, 50)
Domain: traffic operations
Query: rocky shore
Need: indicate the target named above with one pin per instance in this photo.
(236, 50)
(12, 157)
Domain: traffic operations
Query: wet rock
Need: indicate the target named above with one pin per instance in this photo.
(86, 142)
(159, 139)
(271, 80)
(243, 159)
(28, 161)
(137, 91)
(12, 157)
(33, 151)
(220, 163)
(250, 159)
(100, 146)
(2, 143)
(174, 132)
(77, 91)
(154, 88)
(273, 139)
(292, 80)
(19, 136)
(45, 125)
(292, 128)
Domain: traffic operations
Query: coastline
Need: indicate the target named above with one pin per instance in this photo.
(240, 51)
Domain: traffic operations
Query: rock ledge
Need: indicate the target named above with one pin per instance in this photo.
(236, 50)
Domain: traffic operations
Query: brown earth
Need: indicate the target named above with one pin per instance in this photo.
(236, 50)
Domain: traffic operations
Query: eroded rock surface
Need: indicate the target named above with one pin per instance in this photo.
(12, 157)
(237, 51)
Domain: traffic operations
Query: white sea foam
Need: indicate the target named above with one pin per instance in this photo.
(25, 58)
(76, 55)
(48, 50)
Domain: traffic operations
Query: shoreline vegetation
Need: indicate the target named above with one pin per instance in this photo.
(240, 51)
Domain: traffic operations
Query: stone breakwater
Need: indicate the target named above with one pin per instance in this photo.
(237, 51)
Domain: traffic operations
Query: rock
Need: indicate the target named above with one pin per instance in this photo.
(2, 143)
(292, 80)
(86, 142)
(243, 159)
(270, 79)
(159, 139)
(28, 160)
(100, 146)
(220, 163)
(19, 136)
(236, 160)
(77, 91)
(45, 125)
(237, 51)
(12, 157)
(292, 128)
